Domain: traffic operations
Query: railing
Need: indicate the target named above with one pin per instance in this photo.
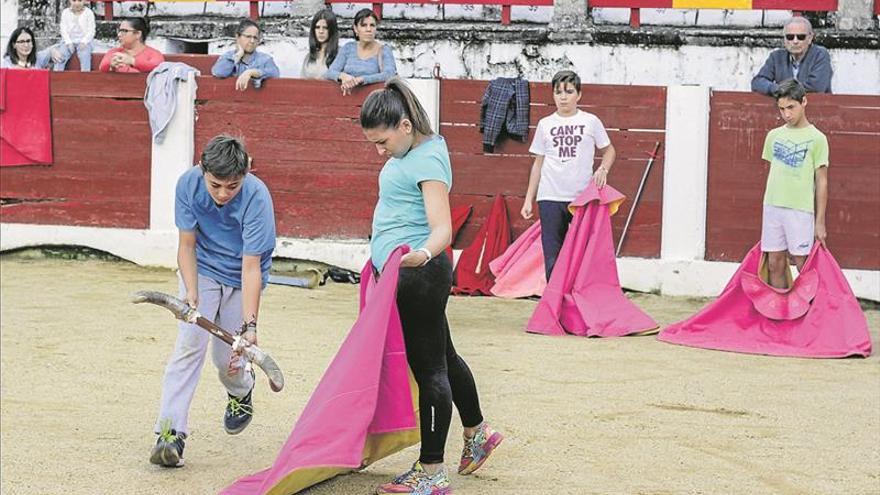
(254, 6)
(505, 4)
(797, 6)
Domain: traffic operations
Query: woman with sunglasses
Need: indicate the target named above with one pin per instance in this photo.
(21, 52)
(133, 55)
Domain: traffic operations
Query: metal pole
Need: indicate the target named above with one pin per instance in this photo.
(636, 199)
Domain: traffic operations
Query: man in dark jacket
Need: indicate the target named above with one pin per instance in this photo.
(802, 60)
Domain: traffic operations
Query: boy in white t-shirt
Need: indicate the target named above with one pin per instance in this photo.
(77, 32)
(564, 147)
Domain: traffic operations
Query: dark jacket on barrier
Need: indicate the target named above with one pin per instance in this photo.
(505, 107)
(814, 71)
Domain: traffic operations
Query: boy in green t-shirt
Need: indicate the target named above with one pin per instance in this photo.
(797, 187)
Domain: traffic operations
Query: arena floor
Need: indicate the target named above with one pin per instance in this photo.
(81, 372)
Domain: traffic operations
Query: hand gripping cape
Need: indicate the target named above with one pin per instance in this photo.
(817, 317)
(472, 275)
(519, 272)
(362, 409)
(583, 296)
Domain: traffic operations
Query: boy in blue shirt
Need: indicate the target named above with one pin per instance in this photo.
(227, 234)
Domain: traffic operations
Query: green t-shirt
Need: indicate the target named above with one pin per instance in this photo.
(794, 156)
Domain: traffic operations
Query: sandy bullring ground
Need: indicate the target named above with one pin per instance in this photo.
(81, 372)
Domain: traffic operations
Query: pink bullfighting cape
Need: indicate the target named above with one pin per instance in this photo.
(519, 272)
(362, 409)
(583, 296)
(472, 274)
(817, 317)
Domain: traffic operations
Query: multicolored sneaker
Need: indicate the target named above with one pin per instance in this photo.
(168, 451)
(418, 482)
(479, 448)
(238, 414)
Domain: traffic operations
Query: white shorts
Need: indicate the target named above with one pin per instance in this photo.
(787, 229)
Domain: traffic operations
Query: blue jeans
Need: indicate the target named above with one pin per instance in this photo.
(84, 54)
(555, 218)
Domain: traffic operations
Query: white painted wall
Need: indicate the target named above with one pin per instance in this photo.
(722, 68)
(8, 20)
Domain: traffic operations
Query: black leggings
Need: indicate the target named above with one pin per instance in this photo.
(442, 376)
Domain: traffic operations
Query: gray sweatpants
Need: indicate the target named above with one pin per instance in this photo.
(222, 305)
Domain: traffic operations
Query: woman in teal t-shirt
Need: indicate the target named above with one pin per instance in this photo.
(413, 209)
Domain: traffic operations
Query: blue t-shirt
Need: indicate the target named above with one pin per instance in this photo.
(400, 217)
(224, 235)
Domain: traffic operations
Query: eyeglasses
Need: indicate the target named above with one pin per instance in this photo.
(800, 37)
(125, 31)
(24, 42)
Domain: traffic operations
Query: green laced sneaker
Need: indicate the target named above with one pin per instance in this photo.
(239, 412)
(168, 451)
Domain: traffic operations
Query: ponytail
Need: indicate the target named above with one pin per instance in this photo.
(388, 106)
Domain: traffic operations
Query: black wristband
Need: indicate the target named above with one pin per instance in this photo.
(249, 326)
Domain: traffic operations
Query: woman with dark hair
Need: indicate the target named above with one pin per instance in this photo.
(133, 55)
(413, 209)
(21, 51)
(365, 61)
(323, 45)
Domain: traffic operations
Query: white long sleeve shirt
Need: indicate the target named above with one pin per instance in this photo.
(77, 28)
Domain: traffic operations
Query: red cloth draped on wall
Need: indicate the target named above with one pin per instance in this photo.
(25, 117)
(472, 274)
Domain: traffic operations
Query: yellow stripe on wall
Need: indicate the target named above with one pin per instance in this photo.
(712, 4)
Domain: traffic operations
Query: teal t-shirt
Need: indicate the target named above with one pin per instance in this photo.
(400, 217)
(794, 156)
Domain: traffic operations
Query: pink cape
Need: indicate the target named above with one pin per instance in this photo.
(583, 296)
(472, 274)
(25, 119)
(750, 316)
(362, 409)
(519, 272)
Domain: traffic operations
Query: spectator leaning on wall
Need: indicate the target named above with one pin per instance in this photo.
(809, 64)
(244, 61)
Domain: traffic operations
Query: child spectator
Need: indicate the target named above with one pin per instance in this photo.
(77, 32)
(797, 187)
(564, 146)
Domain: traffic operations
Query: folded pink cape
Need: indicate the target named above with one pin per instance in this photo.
(25, 119)
(472, 274)
(818, 317)
(361, 411)
(519, 272)
(583, 296)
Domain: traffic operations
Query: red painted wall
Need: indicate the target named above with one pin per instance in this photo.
(101, 174)
(623, 109)
(737, 174)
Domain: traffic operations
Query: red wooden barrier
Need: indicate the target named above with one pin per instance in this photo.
(634, 115)
(505, 4)
(737, 174)
(201, 62)
(101, 174)
(307, 146)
